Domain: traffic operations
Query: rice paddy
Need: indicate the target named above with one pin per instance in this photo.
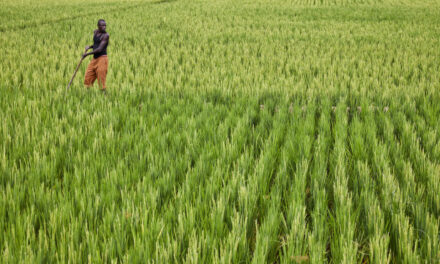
(232, 132)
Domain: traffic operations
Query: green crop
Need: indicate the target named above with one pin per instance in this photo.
(267, 131)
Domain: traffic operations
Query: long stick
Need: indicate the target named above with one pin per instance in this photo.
(77, 67)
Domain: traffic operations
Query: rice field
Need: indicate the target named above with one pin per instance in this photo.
(275, 131)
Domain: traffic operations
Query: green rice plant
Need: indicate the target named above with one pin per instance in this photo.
(218, 188)
(320, 233)
(343, 219)
(419, 202)
(372, 220)
(403, 241)
(378, 237)
(267, 221)
(425, 169)
(295, 167)
(236, 248)
(427, 135)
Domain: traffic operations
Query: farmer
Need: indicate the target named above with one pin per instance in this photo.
(97, 68)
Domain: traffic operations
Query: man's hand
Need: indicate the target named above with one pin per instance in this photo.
(85, 55)
(87, 48)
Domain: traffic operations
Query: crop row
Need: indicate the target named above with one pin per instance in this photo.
(213, 180)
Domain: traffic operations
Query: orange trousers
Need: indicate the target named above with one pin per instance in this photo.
(97, 69)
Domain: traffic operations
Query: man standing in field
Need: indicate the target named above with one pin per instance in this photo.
(97, 68)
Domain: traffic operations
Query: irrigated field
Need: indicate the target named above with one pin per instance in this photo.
(233, 132)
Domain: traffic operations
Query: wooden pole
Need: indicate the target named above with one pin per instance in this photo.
(77, 67)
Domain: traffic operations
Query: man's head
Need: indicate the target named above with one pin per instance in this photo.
(101, 25)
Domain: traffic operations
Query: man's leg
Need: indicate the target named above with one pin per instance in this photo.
(90, 75)
(102, 71)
